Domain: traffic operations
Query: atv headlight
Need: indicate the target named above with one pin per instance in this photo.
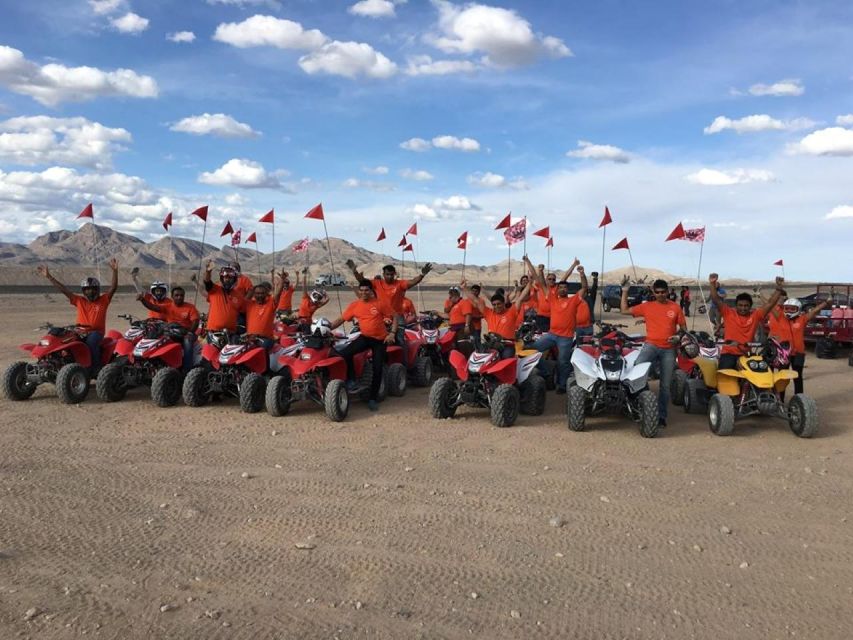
(757, 365)
(44, 343)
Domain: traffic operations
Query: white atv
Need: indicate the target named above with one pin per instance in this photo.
(608, 380)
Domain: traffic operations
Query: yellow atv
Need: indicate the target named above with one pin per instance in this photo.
(756, 387)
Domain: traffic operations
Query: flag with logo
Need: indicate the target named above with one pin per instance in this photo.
(516, 232)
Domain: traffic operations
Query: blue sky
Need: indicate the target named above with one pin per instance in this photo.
(733, 115)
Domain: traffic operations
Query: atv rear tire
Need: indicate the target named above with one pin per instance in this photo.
(15, 383)
(278, 396)
(196, 388)
(505, 405)
(442, 397)
(336, 400)
(422, 372)
(533, 396)
(110, 385)
(721, 415)
(850, 360)
(166, 387)
(803, 416)
(395, 380)
(649, 414)
(576, 408)
(72, 383)
(252, 392)
(366, 378)
(825, 348)
(676, 389)
(692, 400)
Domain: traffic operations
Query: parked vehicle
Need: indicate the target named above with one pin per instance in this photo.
(832, 329)
(428, 348)
(330, 280)
(611, 295)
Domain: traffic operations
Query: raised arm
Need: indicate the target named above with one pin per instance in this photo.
(43, 271)
(114, 280)
(424, 270)
(571, 268)
(823, 304)
(208, 281)
(537, 275)
(147, 304)
(359, 276)
(584, 282)
(476, 301)
(624, 309)
(714, 282)
(279, 286)
(774, 299)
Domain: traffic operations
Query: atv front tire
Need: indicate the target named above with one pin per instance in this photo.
(825, 348)
(649, 415)
(692, 398)
(721, 415)
(252, 392)
(72, 383)
(278, 396)
(576, 408)
(802, 416)
(422, 372)
(166, 387)
(442, 397)
(676, 389)
(110, 385)
(336, 401)
(505, 405)
(395, 380)
(196, 388)
(533, 396)
(15, 383)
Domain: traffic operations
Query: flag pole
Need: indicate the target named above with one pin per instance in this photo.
(525, 235)
(701, 292)
(601, 298)
(258, 256)
(420, 291)
(332, 264)
(200, 259)
(171, 259)
(633, 268)
(508, 262)
(273, 243)
(464, 257)
(95, 249)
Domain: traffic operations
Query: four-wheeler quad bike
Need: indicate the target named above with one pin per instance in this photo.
(149, 354)
(504, 386)
(239, 369)
(695, 360)
(832, 328)
(525, 337)
(394, 380)
(607, 379)
(62, 358)
(755, 388)
(428, 348)
(286, 325)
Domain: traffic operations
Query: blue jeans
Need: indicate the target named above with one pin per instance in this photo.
(565, 346)
(666, 357)
(93, 341)
(189, 351)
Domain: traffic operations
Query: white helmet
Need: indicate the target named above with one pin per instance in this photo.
(159, 290)
(792, 308)
(316, 296)
(321, 327)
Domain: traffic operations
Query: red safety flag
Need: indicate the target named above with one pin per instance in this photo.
(550, 242)
(268, 217)
(167, 221)
(516, 232)
(409, 248)
(676, 234)
(381, 235)
(779, 263)
(622, 244)
(462, 241)
(87, 212)
(694, 235)
(606, 220)
(413, 230)
(316, 213)
(505, 223)
(252, 238)
(403, 242)
(201, 212)
(235, 237)
(227, 230)
(544, 232)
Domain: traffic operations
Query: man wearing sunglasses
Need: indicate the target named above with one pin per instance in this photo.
(543, 309)
(663, 320)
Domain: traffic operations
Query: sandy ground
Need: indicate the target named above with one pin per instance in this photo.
(417, 528)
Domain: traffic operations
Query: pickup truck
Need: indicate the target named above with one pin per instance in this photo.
(330, 280)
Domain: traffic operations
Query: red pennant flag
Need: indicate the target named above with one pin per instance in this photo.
(622, 244)
(252, 238)
(87, 212)
(403, 242)
(268, 217)
(409, 248)
(606, 220)
(550, 242)
(316, 213)
(505, 223)
(462, 241)
(676, 234)
(201, 212)
(381, 235)
(544, 232)
(167, 221)
(779, 263)
(227, 230)
(413, 230)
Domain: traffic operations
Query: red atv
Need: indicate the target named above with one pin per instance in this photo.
(504, 386)
(239, 368)
(428, 348)
(62, 358)
(286, 325)
(393, 383)
(149, 354)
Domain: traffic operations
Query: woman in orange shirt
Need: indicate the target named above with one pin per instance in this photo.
(788, 324)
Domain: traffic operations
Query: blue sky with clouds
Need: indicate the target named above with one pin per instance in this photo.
(733, 115)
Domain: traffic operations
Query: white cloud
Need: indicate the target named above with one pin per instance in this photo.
(423, 211)
(756, 123)
(181, 36)
(415, 144)
(274, 4)
(103, 7)
(489, 180)
(781, 88)
(235, 200)
(455, 203)
(505, 38)
(833, 141)
(443, 208)
(375, 8)
(717, 178)
(845, 121)
(590, 151)
(355, 183)
(418, 175)
(216, 124)
(348, 59)
(459, 144)
(246, 174)
(426, 66)
(269, 31)
(130, 23)
(52, 84)
(843, 211)
(32, 140)
(376, 171)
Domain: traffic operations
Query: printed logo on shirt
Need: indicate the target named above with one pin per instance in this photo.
(670, 314)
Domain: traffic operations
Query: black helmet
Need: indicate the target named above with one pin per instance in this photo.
(90, 283)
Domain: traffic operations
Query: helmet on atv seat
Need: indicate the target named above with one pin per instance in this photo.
(316, 296)
(321, 328)
(158, 290)
(689, 346)
(228, 278)
(792, 307)
(777, 354)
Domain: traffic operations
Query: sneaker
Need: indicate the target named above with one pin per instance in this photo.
(662, 423)
(561, 391)
(373, 405)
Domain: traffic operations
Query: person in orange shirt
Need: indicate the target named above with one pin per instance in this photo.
(788, 324)
(456, 310)
(474, 321)
(410, 314)
(244, 284)
(664, 318)
(156, 296)
(371, 313)
(260, 310)
(225, 303)
(310, 303)
(285, 302)
(527, 304)
(500, 317)
(91, 309)
(182, 313)
(543, 310)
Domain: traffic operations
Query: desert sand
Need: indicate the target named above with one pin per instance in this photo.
(127, 521)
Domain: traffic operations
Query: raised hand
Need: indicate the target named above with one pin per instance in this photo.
(780, 282)
(209, 266)
(575, 262)
(350, 264)
(113, 264)
(625, 280)
(713, 278)
(43, 271)
(426, 268)
(580, 269)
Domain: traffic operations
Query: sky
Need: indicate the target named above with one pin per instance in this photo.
(736, 116)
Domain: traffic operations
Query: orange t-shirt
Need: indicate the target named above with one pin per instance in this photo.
(392, 294)
(502, 324)
(307, 308)
(186, 315)
(408, 307)
(244, 285)
(458, 311)
(662, 321)
(583, 318)
(224, 308)
(260, 317)
(285, 302)
(92, 314)
(790, 331)
(543, 300)
(371, 317)
(563, 314)
(739, 328)
(524, 307)
(163, 304)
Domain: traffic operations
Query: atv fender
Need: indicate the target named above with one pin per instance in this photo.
(782, 378)
(80, 352)
(728, 382)
(29, 346)
(585, 369)
(336, 366)
(446, 340)
(211, 354)
(708, 368)
(504, 370)
(636, 377)
(171, 353)
(124, 348)
(254, 359)
(394, 354)
(112, 334)
(526, 366)
(459, 363)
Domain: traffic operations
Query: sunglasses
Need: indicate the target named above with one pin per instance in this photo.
(661, 291)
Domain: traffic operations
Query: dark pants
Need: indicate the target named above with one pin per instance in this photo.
(798, 361)
(189, 350)
(475, 338)
(543, 324)
(93, 341)
(666, 359)
(685, 306)
(363, 343)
